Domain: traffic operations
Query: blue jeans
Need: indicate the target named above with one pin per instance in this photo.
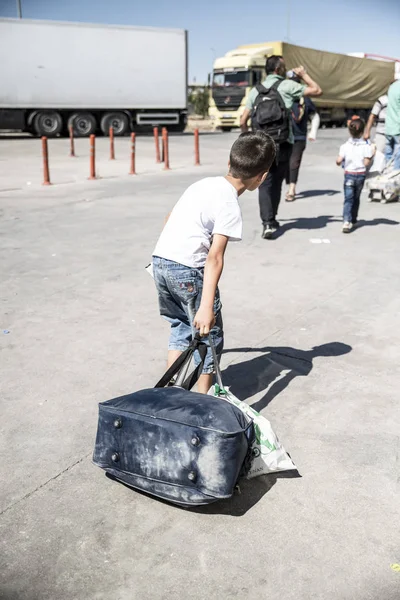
(393, 150)
(179, 295)
(353, 185)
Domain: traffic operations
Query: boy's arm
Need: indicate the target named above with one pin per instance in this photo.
(371, 150)
(340, 157)
(205, 318)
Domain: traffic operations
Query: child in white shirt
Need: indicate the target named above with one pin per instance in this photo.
(355, 156)
(189, 256)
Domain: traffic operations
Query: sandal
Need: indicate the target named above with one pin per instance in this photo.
(290, 197)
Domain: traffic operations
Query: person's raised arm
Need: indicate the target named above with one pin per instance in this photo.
(312, 89)
(205, 318)
(368, 127)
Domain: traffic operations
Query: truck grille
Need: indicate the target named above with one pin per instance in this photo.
(228, 98)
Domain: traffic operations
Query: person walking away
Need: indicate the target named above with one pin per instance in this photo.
(268, 105)
(303, 111)
(392, 125)
(355, 156)
(189, 256)
(378, 116)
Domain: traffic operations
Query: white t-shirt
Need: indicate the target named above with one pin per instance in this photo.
(379, 111)
(207, 207)
(353, 153)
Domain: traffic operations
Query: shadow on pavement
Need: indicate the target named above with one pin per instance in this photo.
(312, 193)
(274, 370)
(249, 493)
(308, 223)
(373, 222)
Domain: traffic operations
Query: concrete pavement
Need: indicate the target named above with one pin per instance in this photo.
(312, 322)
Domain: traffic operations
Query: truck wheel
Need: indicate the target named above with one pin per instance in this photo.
(226, 129)
(48, 123)
(117, 120)
(84, 124)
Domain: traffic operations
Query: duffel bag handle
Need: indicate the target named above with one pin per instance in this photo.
(183, 361)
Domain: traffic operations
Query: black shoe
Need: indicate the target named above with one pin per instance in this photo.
(268, 231)
(276, 224)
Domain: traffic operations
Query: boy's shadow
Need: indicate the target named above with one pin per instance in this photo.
(278, 366)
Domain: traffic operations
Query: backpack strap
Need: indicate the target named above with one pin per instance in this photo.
(261, 89)
(276, 84)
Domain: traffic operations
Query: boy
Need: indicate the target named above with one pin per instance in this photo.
(189, 257)
(355, 156)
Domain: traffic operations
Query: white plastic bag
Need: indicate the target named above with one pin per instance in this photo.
(269, 456)
(378, 163)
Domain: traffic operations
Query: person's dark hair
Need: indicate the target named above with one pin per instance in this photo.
(252, 154)
(356, 126)
(272, 63)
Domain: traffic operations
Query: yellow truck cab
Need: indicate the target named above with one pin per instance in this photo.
(233, 77)
(350, 84)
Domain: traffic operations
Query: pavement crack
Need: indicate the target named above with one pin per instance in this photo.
(42, 485)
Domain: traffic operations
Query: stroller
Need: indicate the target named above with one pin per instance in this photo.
(386, 186)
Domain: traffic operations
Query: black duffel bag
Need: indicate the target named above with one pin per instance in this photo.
(181, 446)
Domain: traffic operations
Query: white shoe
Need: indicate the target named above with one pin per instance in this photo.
(347, 227)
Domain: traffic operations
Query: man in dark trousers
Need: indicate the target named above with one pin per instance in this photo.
(289, 91)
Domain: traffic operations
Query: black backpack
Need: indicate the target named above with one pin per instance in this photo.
(270, 113)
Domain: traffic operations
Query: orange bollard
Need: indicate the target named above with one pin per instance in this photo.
(166, 149)
(92, 157)
(71, 139)
(45, 154)
(196, 148)
(155, 131)
(133, 151)
(112, 153)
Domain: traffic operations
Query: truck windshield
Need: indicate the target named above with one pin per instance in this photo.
(226, 78)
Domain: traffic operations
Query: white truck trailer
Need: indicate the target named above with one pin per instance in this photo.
(54, 75)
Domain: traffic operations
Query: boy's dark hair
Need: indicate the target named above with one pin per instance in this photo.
(356, 126)
(272, 63)
(252, 154)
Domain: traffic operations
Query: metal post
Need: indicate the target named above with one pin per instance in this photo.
(157, 143)
(196, 148)
(133, 155)
(71, 138)
(112, 153)
(92, 157)
(166, 149)
(45, 154)
(288, 21)
(19, 9)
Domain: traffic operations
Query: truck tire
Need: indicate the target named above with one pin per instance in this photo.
(119, 121)
(48, 123)
(226, 129)
(84, 124)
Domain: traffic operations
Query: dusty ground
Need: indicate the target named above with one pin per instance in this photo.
(312, 326)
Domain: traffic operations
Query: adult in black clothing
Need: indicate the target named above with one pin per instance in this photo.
(290, 91)
(303, 111)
